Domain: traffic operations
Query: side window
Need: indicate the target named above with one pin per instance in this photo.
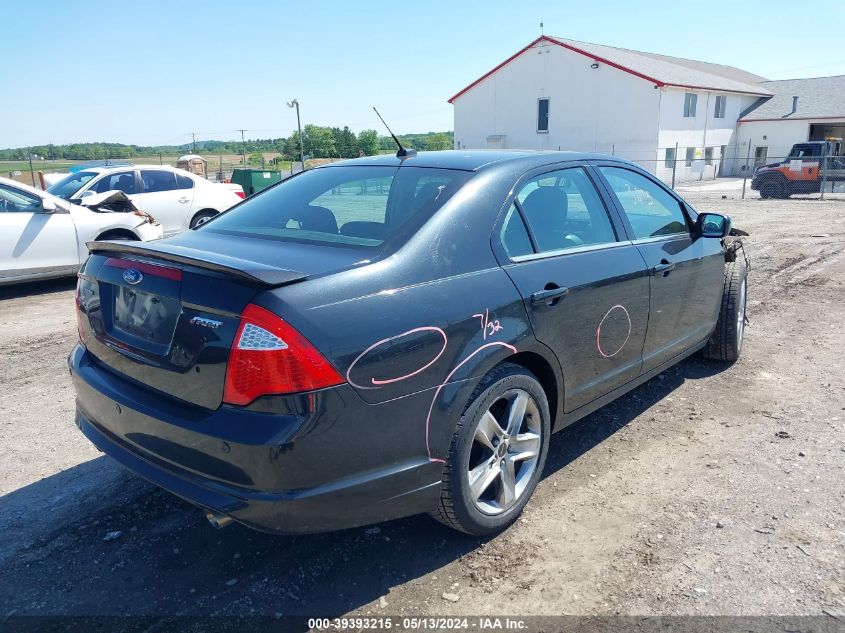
(564, 210)
(121, 181)
(14, 200)
(514, 235)
(651, 210)
(153, 180)
(719, 108)
(184, 182)
(690, 101)
(543, 114)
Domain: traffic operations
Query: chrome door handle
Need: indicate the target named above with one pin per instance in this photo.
(549, 296)
(184, 200)
(665, 267)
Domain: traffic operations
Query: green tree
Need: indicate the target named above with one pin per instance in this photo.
(437, 142)
(369, 142)
(319, 141)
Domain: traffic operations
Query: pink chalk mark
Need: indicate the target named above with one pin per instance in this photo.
(598, 331)
(488, 327)
(445, 382)
(386, 381)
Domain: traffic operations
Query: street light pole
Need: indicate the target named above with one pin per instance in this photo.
(295, 104)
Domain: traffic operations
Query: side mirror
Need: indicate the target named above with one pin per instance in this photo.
(48, 206)
(713, 225)
(87, 193)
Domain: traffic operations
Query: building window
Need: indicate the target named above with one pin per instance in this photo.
(690, 101)
(760, 154)
(708, 155)
(543, 114)
(719, 109)
(669, 160)
(690, 156)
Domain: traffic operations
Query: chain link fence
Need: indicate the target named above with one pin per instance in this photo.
(709, 172)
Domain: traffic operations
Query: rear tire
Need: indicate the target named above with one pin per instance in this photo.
(202, 217)
(497, 454)
(725, 343)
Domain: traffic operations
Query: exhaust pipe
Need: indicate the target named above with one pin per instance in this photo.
(217, 520)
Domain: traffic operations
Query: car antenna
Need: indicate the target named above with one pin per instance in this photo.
(404, 152)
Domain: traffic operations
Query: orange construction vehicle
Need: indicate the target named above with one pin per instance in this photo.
(803, 170)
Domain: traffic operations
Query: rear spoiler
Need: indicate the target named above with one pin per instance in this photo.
(253, 272)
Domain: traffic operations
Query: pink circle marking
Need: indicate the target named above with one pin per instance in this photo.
(378, 382)
(598, 331)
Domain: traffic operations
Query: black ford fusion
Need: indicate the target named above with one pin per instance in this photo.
(395, 335)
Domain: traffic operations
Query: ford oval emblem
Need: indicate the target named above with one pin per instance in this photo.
(132, 276)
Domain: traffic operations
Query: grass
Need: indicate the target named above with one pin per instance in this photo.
(37, 165)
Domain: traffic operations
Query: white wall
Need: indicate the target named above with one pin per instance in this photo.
(699, 132)
(589, 109)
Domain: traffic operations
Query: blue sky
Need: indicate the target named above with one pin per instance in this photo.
(152, 72)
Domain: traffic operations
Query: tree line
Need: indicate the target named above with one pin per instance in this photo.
(317, 142)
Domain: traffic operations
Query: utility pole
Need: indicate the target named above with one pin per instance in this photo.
(243, 147)
(295, 104)
(31, 171)
(194, 137)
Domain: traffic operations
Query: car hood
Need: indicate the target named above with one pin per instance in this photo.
(108, 201)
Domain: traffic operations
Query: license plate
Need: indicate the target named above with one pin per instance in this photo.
(146, 316)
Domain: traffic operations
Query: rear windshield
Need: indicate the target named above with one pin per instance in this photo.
(362, 206)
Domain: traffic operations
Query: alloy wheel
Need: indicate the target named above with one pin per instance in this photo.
(504, 453)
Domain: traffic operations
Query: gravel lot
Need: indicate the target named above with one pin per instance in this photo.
(709, 490)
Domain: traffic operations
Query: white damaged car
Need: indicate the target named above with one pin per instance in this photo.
(176, 198)
(42, 236)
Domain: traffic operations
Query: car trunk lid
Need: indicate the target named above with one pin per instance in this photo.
(165, 314)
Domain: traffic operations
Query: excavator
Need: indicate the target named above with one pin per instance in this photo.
(802, 171)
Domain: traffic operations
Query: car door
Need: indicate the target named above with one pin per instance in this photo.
(34, 241)
(161, 198)
(584, 285)
(686, 271)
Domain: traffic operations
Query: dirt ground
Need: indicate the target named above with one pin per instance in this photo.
(709, 490)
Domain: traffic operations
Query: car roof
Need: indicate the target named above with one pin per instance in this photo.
(128, 167)
(473, 160)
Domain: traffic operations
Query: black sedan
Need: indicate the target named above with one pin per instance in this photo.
(395, 335)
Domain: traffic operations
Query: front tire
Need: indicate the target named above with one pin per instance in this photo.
(725, 343)
(497, 453)
(771, 189)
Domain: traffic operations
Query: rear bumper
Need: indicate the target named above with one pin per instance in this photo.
(302, 469)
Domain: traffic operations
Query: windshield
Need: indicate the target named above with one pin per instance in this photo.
(71, 183)
(351, 206)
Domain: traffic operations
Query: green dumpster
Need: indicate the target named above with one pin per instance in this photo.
(254, 180)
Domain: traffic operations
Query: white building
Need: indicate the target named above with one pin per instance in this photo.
(561, 94)
(800, 110)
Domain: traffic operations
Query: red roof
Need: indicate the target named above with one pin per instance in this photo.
(683, 65)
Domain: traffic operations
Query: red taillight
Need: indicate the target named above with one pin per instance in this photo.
(270, 357)
(240, 194)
